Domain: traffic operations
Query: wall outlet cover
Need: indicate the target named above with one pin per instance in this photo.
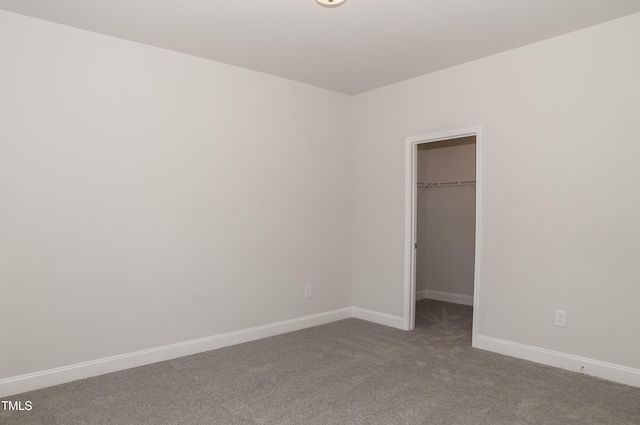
(561, 318)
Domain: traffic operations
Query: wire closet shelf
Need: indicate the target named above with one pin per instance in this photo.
(429, 185)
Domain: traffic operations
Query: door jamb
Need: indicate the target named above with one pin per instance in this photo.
(411, 149)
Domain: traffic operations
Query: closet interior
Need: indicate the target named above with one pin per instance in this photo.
(446, 220)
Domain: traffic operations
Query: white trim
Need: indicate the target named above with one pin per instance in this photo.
(411, 147)
(61, 375)
(609, 371)
(444, 296)
(379, 318)
(477, 272)
(410, 176)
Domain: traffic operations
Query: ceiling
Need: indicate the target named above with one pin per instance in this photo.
(359, 46)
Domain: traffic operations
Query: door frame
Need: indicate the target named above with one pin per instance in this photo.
(411, 175)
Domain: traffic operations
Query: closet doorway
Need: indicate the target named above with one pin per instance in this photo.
(444, 193)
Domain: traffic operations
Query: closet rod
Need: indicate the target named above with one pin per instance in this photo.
(446, 184)
(426, 185)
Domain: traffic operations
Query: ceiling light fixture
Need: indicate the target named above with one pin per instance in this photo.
(330, 3)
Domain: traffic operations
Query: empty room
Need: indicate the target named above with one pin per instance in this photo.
(319, 212)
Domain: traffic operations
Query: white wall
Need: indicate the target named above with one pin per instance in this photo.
(446, 218)
(149, 197)
(560, 217)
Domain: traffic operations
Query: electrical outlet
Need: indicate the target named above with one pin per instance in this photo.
(561, 318)
(307, 291)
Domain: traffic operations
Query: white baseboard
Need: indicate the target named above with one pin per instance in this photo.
(444, 296)
(609, 371)
(379, 318)
(61, 375)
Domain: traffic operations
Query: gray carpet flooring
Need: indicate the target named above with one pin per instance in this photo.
(346, 372)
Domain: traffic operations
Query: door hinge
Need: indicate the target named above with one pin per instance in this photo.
(415, 246)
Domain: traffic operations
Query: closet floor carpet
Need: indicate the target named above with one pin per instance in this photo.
(346, 372)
